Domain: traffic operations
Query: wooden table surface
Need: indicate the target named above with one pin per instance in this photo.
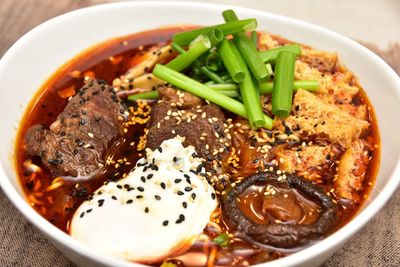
(377, 244)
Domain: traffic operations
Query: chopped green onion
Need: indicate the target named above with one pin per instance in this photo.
(184, 60)
(282, 92)
(248, 91)
(181, 81)
(185, 38)
(254, 38)
(197, 69)
(211, 82)
(211, 75)
(214, 36)
(223, 87)
(213, 61)
(144, 96)
(309, 85)
(247, 49)
(227, 78)
(178, 48)
(232, 94)
(226, 89)
(230, 61)
(270, 55)
(222, 240)
(198, 48)
(269, 68)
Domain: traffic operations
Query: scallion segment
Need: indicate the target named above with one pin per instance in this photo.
(270, 55)
(309, 85)
(213, 61)
(211, 75)
(181, 81)
(247, 49)
(254, 38)
(248, 91)
(282, 92)
(151, 95)
(214, 36)
(178, 48)
(198, 48)
(226, 89)
(185, 38)
(222, 87)
(230, 61)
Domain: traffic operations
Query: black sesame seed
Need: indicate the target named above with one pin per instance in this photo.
(141, 189)
(119, 186)
(82, 214)
(146, 210)
(130, 189)
(126, 186)
(129, 201)
(184, 204)
(188, 181)
(155, 168)
(163, 185)
(139, 196)
(101, 202)
(186, 176)
(165, 223)
(177, 181)
(100, 192)
(181, 219)
(213, 195)
(149, 176)
(145, 169)
(159, 149)
(188, 189)
(198, 169)
(175, 159)
(89, 210)
(114, 197)
(157, 197)
(180, 193)
(143, 179)
(194, 196)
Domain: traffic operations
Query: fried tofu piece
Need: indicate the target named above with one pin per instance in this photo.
(303, 159)
(266, 41)
(302, 71)
(337, 93)
(322, 60)
(314, 117)
(351, 171)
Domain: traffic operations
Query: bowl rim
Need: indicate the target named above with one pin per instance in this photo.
(323, 246)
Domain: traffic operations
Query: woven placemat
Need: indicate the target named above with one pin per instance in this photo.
(377, 244)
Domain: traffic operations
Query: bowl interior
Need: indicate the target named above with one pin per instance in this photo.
(37, 55)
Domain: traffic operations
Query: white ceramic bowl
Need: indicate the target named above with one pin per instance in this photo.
(39, 53)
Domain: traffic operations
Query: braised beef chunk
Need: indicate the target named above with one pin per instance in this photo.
(77, 142)
(202, 125)
(182, 99)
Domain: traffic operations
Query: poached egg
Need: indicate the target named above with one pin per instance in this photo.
(156, 211)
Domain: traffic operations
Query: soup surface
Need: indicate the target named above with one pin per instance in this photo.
(283, 151)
